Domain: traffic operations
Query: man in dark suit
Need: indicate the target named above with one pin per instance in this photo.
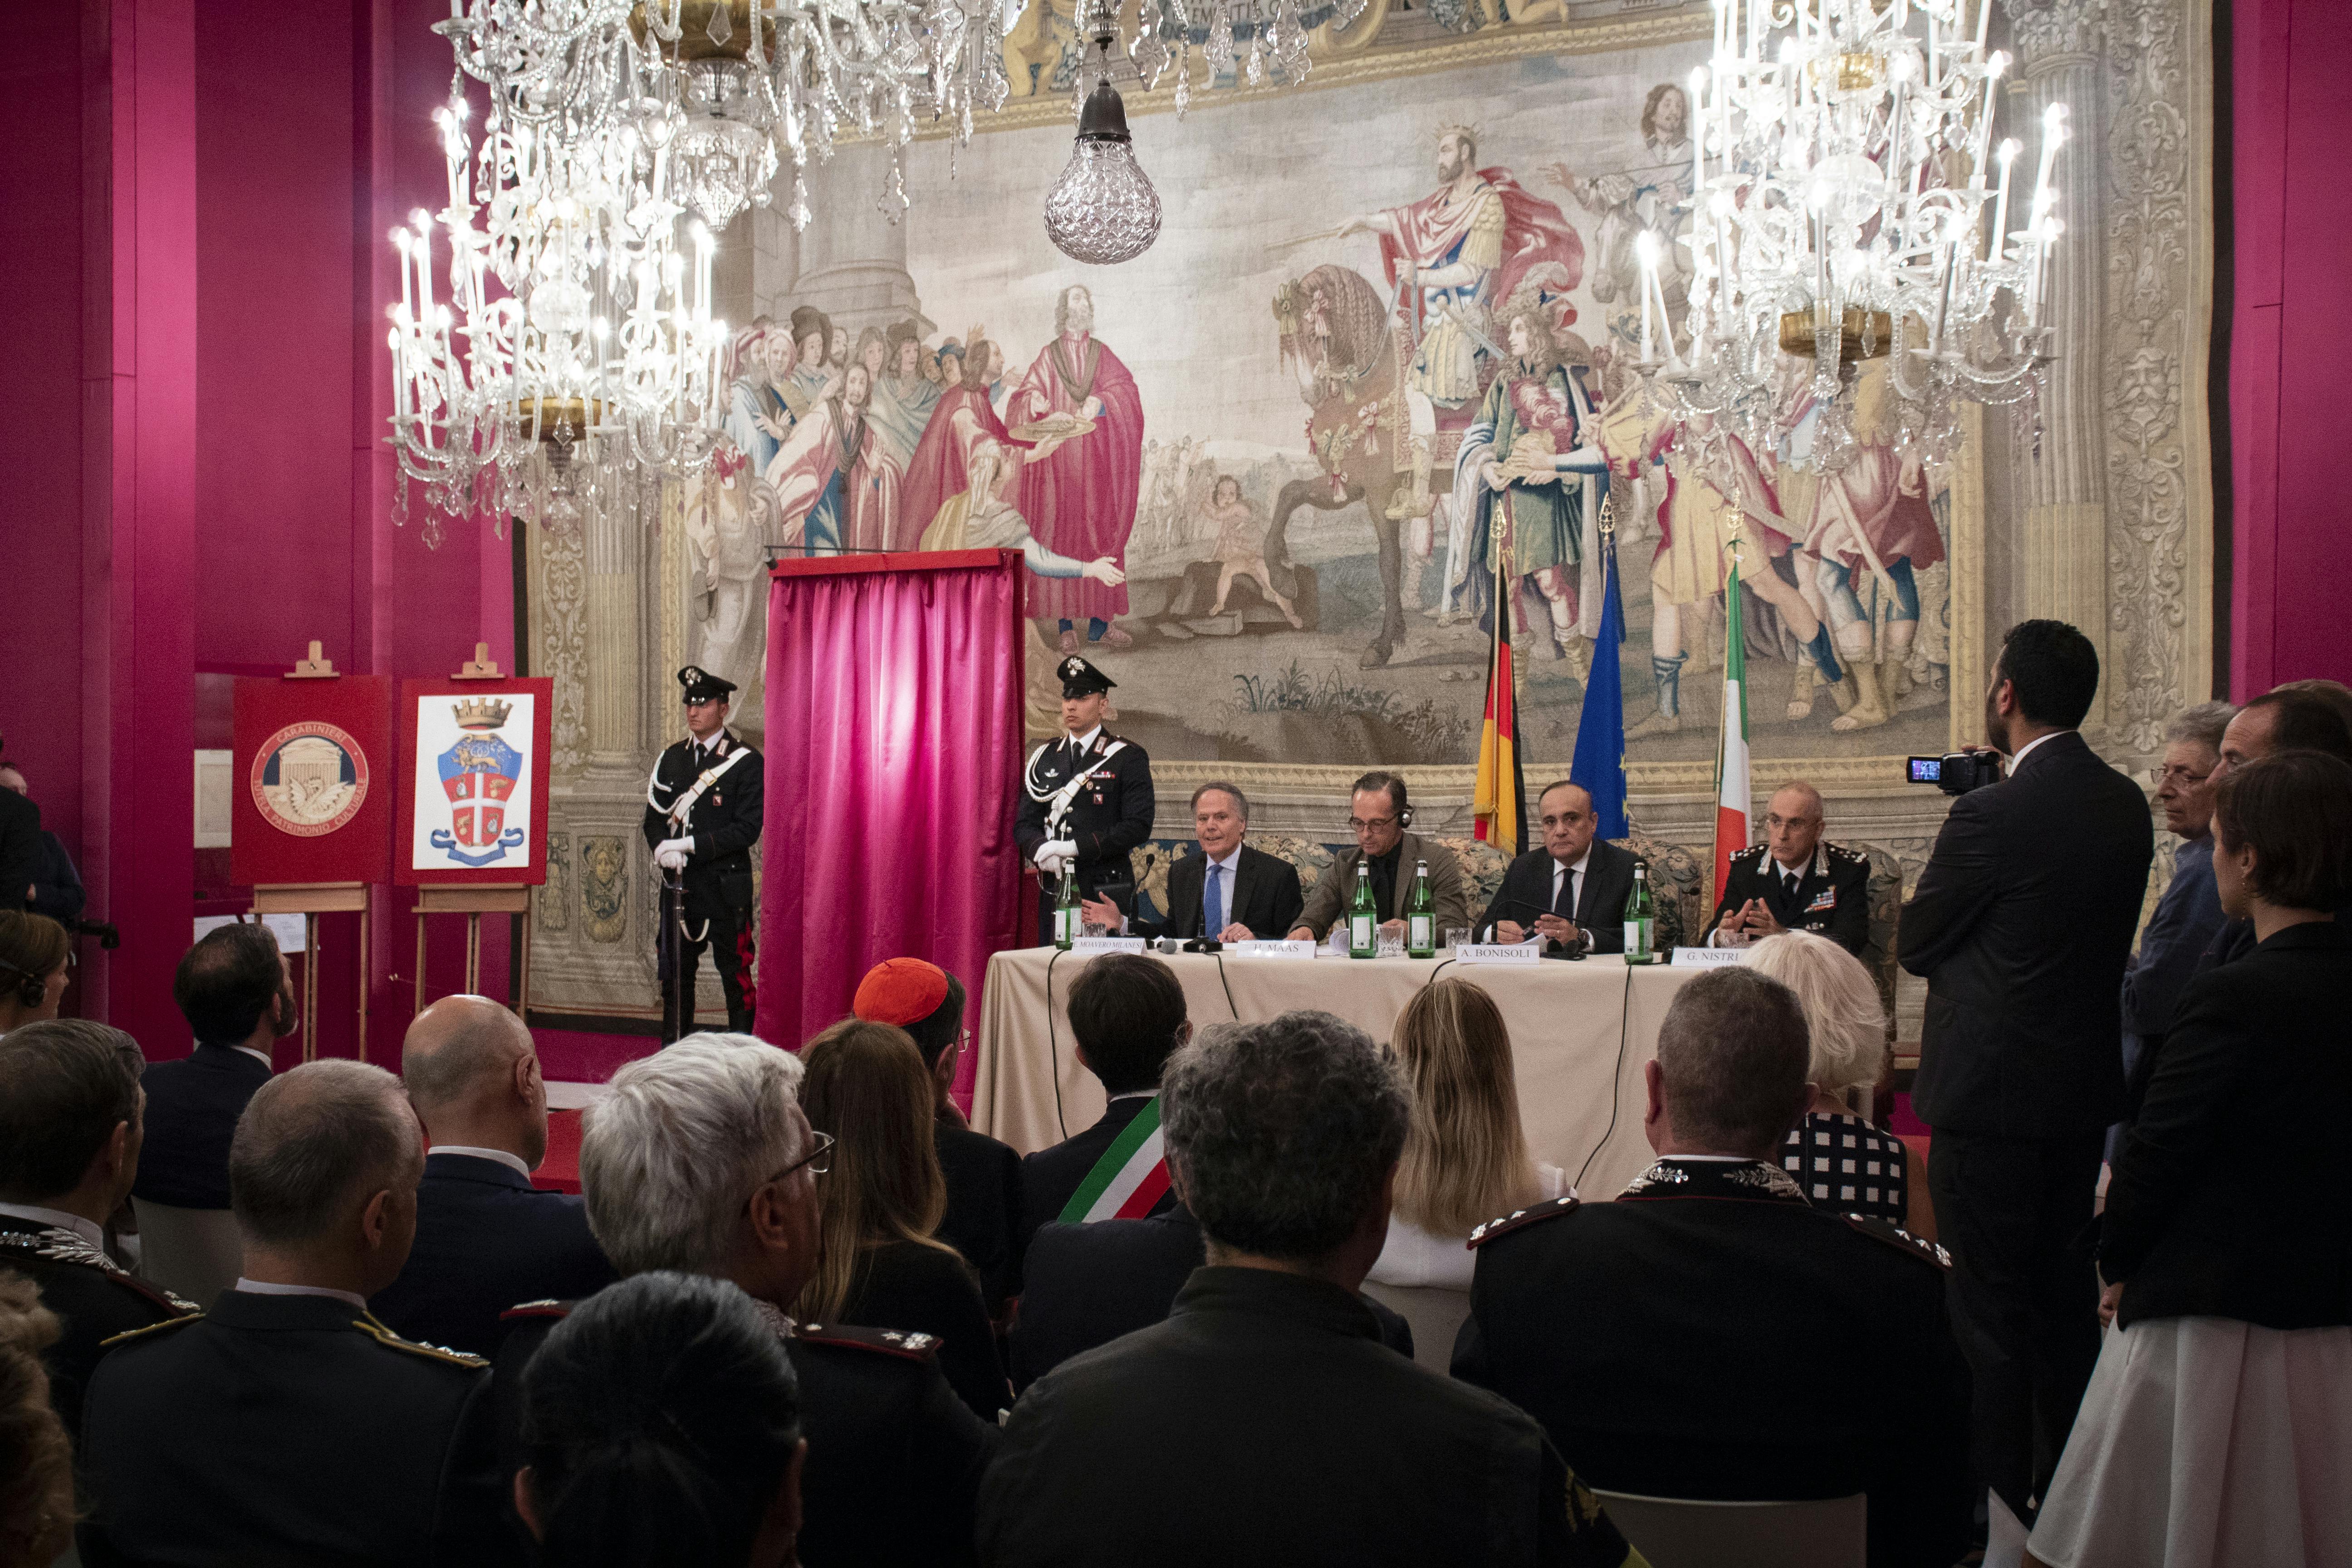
(1572, 891)
(1127, 1017)
(1087, 800)
(1379, 815)
(984, 1176)
(69, 1144)
(1264, 1422)
(1795, 881)
(2021, 925)
(895, 1458)
(237, 994)
(288, 1425)
(704, 807)
(486, 1238)
(2293, 717)
(57, 891)
(1674, 1342)
(1228, 891)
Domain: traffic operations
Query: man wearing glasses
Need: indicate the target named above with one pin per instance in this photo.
(1380, 817)
(1793, 881)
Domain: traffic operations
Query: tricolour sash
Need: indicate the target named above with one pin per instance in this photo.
(1130, 1178)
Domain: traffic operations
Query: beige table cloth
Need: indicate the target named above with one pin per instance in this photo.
(1580, 1034)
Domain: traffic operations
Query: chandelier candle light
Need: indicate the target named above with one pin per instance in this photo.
(1837, 213)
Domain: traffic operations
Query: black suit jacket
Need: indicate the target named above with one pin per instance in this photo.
(1263, 1423)
(894, 1461)
(1266, 896)
(2222, 1203)
(904, 1285)
(283, 1429)
(1050, 1176)
(1600, 912)
(983, 1180)
(2020, 926)
(486, 1238)
(1674, 1344)
(94, 1300)
(20, 849)
(192, 1105)
(1837, 875)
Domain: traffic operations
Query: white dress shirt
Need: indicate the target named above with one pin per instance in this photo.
(1227, 870)
(89, 1230)
(261, 1056)
(267, 1288)
(500, 1155)
(2026, 749)
(1574, 871)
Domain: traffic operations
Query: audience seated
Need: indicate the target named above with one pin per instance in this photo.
(287, 1425)
(1842, 1160)
(2217, 1425)
(36, 1500)
(662, 1424)
(235, 991)
(1465, 1158)
(1709, 1333)
(70, 1133)
(700, 1162)
(984, 1176)
(35, 957)
(1126, 1015)
(880, 1260)
(486, 1238)
(1264, 1422)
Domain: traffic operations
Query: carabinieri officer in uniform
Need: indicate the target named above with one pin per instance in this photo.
(703, 808)
(1087, 799)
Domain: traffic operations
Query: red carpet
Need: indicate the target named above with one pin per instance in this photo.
(567, 1056)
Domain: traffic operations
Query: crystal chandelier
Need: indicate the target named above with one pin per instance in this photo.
(574, 332)
(1103, 209)
(1842, 193)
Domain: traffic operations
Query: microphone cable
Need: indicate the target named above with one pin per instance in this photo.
(1616, 1079)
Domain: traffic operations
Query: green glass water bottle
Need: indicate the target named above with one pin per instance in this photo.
(1066, 914)
(1420, 916)
(1363, 919)
(1641, 921)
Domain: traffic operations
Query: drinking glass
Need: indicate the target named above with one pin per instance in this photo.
(1391, 944)
(1457, 936)
(1094, 927)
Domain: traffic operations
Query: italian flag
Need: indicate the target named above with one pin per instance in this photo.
(1129, 1179)
(1732, 789)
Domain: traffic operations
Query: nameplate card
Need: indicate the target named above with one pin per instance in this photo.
(1108, 944)
(1499, 952)
(1707, 957)
(1284, 949)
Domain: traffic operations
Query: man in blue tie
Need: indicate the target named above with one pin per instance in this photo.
(1228, 891)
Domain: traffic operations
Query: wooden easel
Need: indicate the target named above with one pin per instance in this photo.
(312, 899)
(476, 900)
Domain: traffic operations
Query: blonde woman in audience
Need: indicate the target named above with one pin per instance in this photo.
(1843, 1162)
(36, 1503)
(880, 1263)
(1465, 1157)
(35, 954)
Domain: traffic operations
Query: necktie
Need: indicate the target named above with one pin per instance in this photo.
(1214, 901)
(1563, 901)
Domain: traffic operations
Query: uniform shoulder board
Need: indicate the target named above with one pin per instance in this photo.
(1753, 852)
(1902, 1240)
(550, 1308)
(1519, 1219)
(1840, 852)
(904, 1343)
(178, 1306)
(126, 1335)
(384, 1336)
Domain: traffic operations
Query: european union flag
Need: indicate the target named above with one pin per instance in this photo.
(1600, 764)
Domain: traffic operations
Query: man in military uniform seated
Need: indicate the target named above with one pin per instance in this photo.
(1379, 815)
(1264, 1423)
(701, 1162)
(703, 813)
(1793, 881)
(1572, 891)
(1086, 800)
(69, 1133)
(288, 1425)
(1704, 1336)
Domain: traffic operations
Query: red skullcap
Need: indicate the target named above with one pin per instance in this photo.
(900, 990)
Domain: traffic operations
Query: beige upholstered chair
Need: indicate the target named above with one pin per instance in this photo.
(194, 1253)
(1436, 1313)
(1677, 1533)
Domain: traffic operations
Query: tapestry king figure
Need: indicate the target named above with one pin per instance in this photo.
(703, 813)
(1087, 800)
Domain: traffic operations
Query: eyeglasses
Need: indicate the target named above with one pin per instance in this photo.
(1774, 821)
(2181, 775)
(1357, 825)
(818, 1160)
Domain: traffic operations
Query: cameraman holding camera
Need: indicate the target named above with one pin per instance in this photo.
(2020, 926)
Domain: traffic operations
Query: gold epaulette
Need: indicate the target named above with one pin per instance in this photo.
(126, 1335)
(366, 1323)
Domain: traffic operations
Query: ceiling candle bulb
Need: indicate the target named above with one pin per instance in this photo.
(1697, 127)
(2000, 247)
(1984, 21)
(2053, 136)
(1994, 67)
(1645, 246)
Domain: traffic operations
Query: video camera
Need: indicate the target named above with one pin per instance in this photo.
(1955, 773)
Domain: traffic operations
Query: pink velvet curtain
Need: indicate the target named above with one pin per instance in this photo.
(894, 744)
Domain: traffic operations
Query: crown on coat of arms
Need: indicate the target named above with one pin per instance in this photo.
(482, 713)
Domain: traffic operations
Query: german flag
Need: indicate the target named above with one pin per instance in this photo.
(1502, 788)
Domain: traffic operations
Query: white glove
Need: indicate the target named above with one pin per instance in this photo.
(670, 853)
(1055, 854)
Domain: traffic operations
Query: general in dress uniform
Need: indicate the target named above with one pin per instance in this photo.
(94, 1298)
(1829, 894)
(703, 812)
(288, 1428)
(1086, 799)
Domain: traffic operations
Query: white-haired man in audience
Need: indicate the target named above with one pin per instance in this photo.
(701, 1162)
